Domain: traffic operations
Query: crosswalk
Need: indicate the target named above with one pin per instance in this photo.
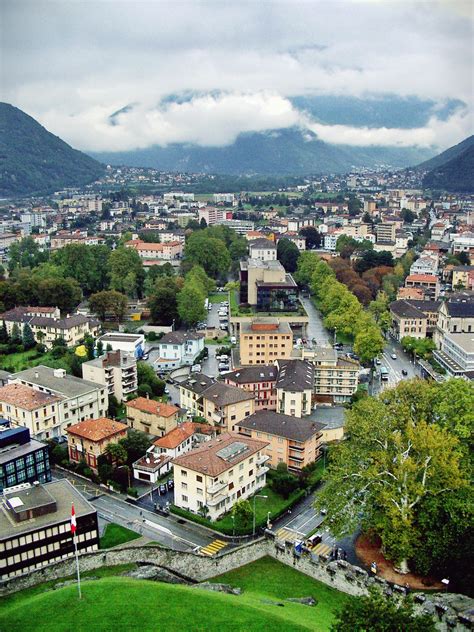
(213, 548)
(321, 549)
(288, 535)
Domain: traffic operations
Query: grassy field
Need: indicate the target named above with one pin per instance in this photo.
(218, 297)
(125, 604)
(115, 534)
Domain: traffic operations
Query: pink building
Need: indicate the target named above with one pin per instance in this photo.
(259, 380)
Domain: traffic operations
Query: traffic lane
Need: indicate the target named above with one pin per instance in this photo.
(315, 328)
(398, 365)
(306, 521)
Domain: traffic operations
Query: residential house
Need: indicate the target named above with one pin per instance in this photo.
(457, 355)
(407, 320)
(74, 399)
(259, 380)
(335, 377)
(264, 340)
(157, 460)
(224, 406)
(152, 417)
(263, 249)
(35, 527)
(22, 459)
(179, 348)
(425, 265)
(89, 439)
(430, 309)
(427, 282)
(133, 344)
(155, 253)
(218, 473)
(294, 387)
(191, 391)
(295, 442)
(116, 369)
(29, 408)
(463, 277)
(214, 214)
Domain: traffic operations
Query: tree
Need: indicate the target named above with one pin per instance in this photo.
(15, 335)
(307, 263)
(58, 292)
(136, 444)
(397, 456)
(90, 346)
(422, 347)
(88, 265)
(124, 262)
(464, 258)
(113, 407)
(163, 301)
(4, 338)
(377, 613)
(243, 513)
(354, 205)
(147, 376)
(208, 252)
(313, 238)
(287, 254)
(407, 216)
(109, 302)
(28, 338)
(117, 453)
(283, 482)
(25, 254)
(191, 304)
(369, 344)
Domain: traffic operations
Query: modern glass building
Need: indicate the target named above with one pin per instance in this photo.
(22, 459)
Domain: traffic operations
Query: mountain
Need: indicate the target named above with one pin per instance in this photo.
(32, 160)
(446, 156)
(456, 174)
(292, 151)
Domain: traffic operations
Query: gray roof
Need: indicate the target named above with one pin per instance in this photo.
(69, 385)
(63, 493)
(295, 375)
(253, 374)
(197, 383)
(118, 337)
(62, 323)
(425, 306)
(223, 394)
(21, 450)
(292, 428)
(329, 416)
(404, 309)
(461, 305)
(179, 337)
(262, 243)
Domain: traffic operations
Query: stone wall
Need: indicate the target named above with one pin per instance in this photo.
(451, 611)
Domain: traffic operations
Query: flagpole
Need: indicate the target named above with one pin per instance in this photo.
(77, 567)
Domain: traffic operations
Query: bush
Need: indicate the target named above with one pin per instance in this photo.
(151, 336)
(144, 390)
(132, 491)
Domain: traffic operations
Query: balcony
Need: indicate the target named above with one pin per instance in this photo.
(263, 459)
(261, 471)
(212, 502)
(216, 487)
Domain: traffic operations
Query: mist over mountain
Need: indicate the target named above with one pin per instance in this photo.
(453, 169)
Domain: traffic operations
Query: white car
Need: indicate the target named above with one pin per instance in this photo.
(233, 340)
(394, 356)
(196, 368)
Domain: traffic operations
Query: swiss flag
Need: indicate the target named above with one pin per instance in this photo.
(73, 520)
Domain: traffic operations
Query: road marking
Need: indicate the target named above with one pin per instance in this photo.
(321, 549)
(214, 547)
(288, 535)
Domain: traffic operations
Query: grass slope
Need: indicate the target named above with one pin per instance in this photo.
(125, 604)
(115, 534)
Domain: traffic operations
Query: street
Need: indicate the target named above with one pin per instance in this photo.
(316, 328)
(395, 367)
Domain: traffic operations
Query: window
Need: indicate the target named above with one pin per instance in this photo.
(241, 466)
(184, 473)
(184, 486)
(199, 491)
(241, 478)
(184, 499)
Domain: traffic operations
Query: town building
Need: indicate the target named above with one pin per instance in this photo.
(295, 442)
(456, 316)
(214, 214)
(22, 459)
(430, 309)
(128, 343)
(59, 399)
(218, 473)
(463, 277)
(335, 377)
(407, 320)
(35, 527)
(425, 265)
(386, 232)
(224, 406)
(266, 286)
(332, 418)
(263, 249)
(179, 348)
(264, 340)
(116, 369)
(29, 408)
(89, 439)
(259, 380)
(294, 387)
(156, 253)
(152, 417)
(157, 460)
(427, 282)
(457, 355)
(191, 393)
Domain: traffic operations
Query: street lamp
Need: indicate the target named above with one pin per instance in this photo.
(233, 525)
(254, 499)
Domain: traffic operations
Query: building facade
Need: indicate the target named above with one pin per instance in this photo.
(89, 439)
(22, 459)
(151, 417)
(116, 370)
(259, 380)
(265, 340)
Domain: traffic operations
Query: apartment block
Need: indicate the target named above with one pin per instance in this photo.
(225, 406)
(295, 442)
(335, 378)
(191, 392)
(22, 459)
(264, 340)
(152, 417)
(294, 387)
(218, 473)
(407, 320)
(116, 370)
(267, 286)
(259, 380)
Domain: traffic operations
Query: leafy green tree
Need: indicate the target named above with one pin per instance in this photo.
(163, 301)
(283, 482)
(113, 407)
(369, 344)
(4, 338)
(16, 334)
(59, 292)
(28, 338)
(117, 453)
(397, 456)
(208, 252)
(136, 444)
(25, 254)
(243, 513)
(377, 613)
(287, 254)
(146, 375)
(124, 262)
(307, 263)
(422, 347)
(109, 302)
(88, 265)
(407, 215)
(313, 238)
(90, 346)
(191, 304)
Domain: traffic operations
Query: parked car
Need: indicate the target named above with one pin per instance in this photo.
(145, 356)
(170, 484)
(196, 368)
(162, 489)
(404, 372)
(394, 356)
(378, 361)
(233, 340)
(223, 366)
(167, 391)
(223, 358)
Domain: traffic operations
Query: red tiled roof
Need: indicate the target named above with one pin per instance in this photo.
(26, 397)
(97, 429)
(152, 406)
(182, 432)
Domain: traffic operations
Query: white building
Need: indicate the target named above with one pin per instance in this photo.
(425, 265)
(457, 356)
(263, 249)
(116, 369)
(179, 348)
(128, 343)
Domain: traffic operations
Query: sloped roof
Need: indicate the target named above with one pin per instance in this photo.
(151, 406)
(292, 428)
(97, 429)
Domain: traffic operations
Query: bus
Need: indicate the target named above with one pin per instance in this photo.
(384, 373)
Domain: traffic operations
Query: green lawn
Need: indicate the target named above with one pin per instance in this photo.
(218, 297)
(125, 604)
(115, 534)
(275, 504)
(31, 358)
(236, 311)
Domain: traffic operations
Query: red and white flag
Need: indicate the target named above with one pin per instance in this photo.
(73, 520)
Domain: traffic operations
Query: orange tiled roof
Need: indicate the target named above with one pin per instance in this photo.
(26, 397)
(182, 432)
(428, 278)
(152, 406)
(97, 429)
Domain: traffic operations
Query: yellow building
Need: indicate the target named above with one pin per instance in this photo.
(152, 417)
(219, 473)
(89, 439)
(295, 442)
(225, 406)
(294, 387)
(28, 407)
(265, 340)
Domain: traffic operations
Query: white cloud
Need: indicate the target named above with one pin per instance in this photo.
(71, 64)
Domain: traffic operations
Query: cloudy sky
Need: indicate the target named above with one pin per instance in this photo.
(71, 64)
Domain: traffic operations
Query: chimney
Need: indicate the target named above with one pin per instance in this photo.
(36, 375)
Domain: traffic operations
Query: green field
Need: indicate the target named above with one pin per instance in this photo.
(218, 297)
(125, 604)
(115, 534)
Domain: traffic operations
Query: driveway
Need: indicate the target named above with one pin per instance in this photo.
(316, 328)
